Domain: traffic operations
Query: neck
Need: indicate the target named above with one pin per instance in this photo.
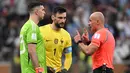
(100, 27)
(34, 18)
(53, 26)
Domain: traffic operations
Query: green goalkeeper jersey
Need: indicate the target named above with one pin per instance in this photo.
(30, 33)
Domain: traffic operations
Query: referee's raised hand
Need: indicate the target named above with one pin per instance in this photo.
(85, 36)
(77, 37)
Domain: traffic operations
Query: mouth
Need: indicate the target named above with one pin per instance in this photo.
(89, 27)
(62, 24)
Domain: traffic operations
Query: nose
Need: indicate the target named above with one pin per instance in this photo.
(63, 20)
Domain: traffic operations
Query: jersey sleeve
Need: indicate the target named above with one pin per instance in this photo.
(68, 41)
(96, 39)
(68, 60)
(32, 34)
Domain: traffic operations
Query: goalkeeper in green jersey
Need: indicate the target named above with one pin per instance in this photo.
(32, 50)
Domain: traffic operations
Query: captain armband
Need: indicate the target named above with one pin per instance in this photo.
(68, 49)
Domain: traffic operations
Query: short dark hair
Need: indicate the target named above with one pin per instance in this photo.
(58, 10)
(32, 5)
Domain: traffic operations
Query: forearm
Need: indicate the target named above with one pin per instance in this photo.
(34, 59)
(84, 48)
(68, 61)
(33, 54)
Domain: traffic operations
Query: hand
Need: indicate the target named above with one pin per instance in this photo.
(77, 38)
(39, 70)
(85, 36)
(50, 70)
(63, 71)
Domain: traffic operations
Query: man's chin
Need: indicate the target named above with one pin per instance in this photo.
(62, 26)
(42, 18)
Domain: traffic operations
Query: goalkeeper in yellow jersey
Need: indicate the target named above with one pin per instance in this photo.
(57, 41)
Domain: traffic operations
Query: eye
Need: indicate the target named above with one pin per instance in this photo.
(60, 17)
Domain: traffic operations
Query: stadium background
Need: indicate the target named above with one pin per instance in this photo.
(13, 14)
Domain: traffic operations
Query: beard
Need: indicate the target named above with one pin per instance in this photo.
(41, 18)
(60, 25)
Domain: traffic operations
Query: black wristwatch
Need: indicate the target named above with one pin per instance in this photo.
(80, 41)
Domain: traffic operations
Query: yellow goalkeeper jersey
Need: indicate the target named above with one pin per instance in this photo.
(55, 44)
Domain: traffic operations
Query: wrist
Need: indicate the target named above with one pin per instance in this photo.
(64, 70)
(88, 42)
(80, 41)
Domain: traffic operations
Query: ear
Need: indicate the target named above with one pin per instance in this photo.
(52, 17)
(36, 12)
(98, 21)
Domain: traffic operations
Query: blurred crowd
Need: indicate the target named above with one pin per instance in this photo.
(13, 14)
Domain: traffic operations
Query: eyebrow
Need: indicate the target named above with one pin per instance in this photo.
(61, 17)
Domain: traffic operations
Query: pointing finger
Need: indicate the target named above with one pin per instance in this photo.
(77, 32)
(85, 31)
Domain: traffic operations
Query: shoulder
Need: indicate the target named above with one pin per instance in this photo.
(65, 32)
(31, 25)
(100, 33)
(27, 23)
(44, 28)
(25, 26)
